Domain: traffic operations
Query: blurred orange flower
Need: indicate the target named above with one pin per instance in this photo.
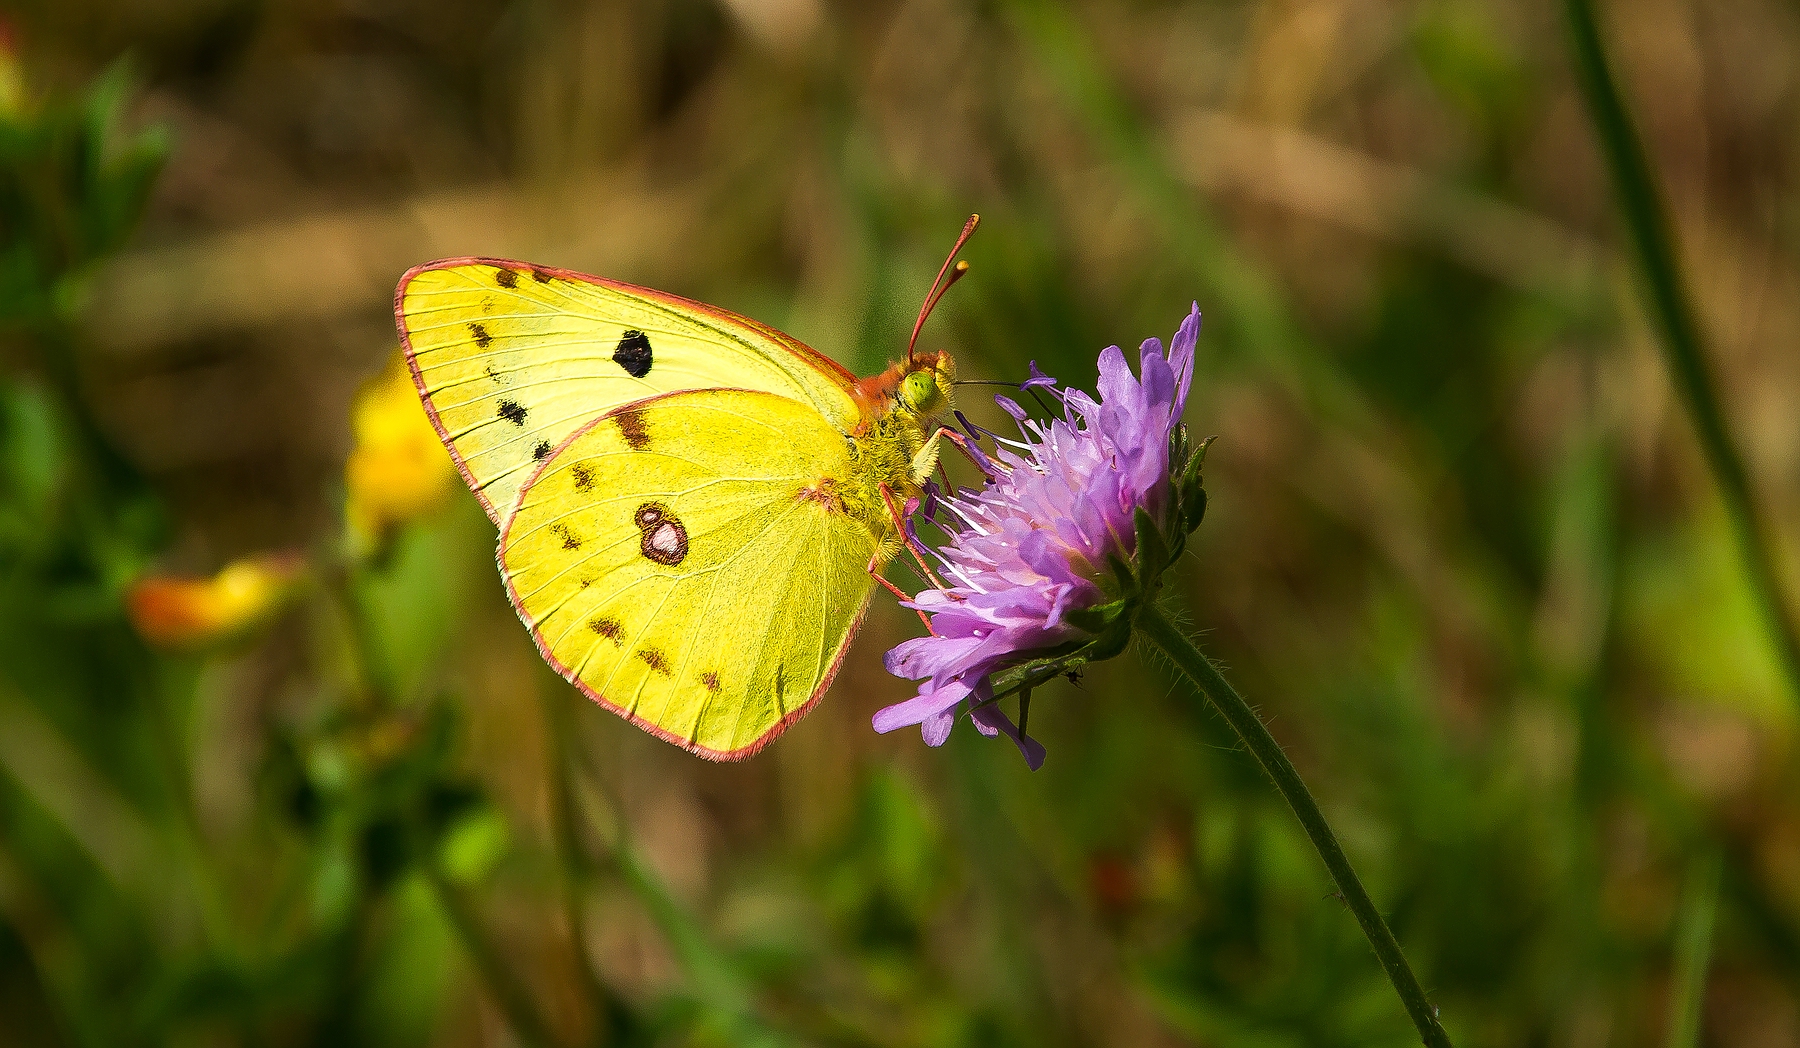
(399, 469)
(175, 611)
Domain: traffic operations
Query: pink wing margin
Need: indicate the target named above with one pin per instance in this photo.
(741, 753)
(812, 357)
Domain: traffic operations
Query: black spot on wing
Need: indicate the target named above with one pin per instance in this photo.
(655, 659)
(506, 278)
(569, 541)
(540, 274)
(482, 338)
(584, 477)
(499, 379)
(541, 451)
(633, 353)
(608, 628)
(511, 411)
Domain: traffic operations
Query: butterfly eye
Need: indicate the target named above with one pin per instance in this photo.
(920, 394)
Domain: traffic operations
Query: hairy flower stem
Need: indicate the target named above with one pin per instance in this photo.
(1249, 727)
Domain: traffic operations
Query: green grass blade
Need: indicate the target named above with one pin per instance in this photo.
(1693, 951)
(1653, 242)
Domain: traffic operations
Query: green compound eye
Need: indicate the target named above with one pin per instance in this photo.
(919, 393)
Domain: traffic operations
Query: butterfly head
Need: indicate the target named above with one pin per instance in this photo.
(924, 388)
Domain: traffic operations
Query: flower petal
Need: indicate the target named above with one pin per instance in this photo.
(936, 728)
(920, 707)
(993, 719)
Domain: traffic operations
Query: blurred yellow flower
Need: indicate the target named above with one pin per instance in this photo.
(175, 611)
(12, 78)
(399, 469)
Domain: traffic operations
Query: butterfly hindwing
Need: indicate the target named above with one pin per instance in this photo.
(512, 358)
(685, 562)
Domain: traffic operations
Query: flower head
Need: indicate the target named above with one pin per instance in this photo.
(398, 469)
(180, 612)
(1047, 562)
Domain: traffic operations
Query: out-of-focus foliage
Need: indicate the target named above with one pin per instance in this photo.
(1460, 547)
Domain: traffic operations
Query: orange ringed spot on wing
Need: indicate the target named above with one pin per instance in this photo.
(665, 537)
(632, 428)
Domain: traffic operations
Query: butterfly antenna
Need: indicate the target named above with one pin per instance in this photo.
(955, 273)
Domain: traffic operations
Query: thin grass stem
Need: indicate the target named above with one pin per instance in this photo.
(1640, 203)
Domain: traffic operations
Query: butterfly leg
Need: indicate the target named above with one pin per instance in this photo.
(900, 595)
(912, 544)
(986, 465)
(927, 459)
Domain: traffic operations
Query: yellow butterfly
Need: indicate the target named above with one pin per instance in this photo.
(693, 507)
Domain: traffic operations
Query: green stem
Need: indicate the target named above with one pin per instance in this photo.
(611, 1012)
(1651, 237)
(509, 994)
(1693, 950)
(1249, 727)
(350, 584)
(497, 974)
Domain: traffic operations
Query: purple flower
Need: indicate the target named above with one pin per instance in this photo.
(1035, 544)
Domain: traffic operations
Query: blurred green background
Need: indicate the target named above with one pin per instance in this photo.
(1463, 550)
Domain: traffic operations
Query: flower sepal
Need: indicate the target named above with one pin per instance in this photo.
(1190, 490)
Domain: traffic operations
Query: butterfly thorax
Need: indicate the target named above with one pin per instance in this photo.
(889, 446)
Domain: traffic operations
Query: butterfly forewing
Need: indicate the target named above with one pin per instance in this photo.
(512, 358)
(685, 562)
